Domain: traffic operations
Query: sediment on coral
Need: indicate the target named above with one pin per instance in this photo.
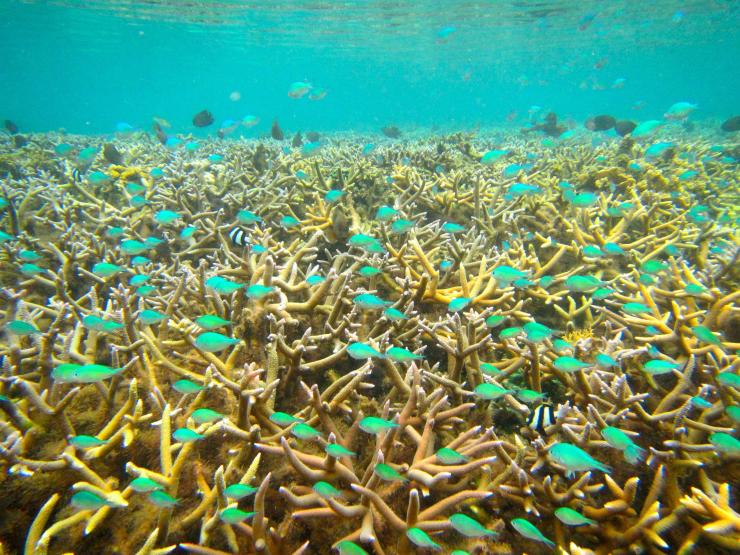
(395, 341)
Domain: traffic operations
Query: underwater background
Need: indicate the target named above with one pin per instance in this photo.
(86, 65)
(369, 277)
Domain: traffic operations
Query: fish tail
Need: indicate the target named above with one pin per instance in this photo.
(605, 468)
(634, 454)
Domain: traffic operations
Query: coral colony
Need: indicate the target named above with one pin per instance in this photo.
(414, 345)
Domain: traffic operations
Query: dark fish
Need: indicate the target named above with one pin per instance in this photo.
(313, 137)
(600, 123)
(732, 124)
(203, 118)
(391, 131)
(19, 141)
(11, 127)
(276, 132)
(238, 236)
(624, 127)
(259, 159)
(549, 127)
(161, 135)
(297, 141)
(111, 154)
(77, 175)
(541, 417)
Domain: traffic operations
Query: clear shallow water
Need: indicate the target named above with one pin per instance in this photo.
(84, 66)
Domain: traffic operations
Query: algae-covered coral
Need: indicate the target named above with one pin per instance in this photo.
(228, 347)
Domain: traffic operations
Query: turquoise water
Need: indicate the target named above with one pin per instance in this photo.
(86, 65)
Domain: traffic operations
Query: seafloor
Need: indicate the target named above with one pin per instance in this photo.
(375, 352)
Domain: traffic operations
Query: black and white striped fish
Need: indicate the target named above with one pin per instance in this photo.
(238, 236)
(77, 175)
(541, 417)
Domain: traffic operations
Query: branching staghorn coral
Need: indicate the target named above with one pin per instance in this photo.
(377, 358)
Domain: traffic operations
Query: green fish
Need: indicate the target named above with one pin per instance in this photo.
(239, 491)
(733, 411)
(506, 275)
(658, 366)
(21, 328)
(602, 293)
(706, 335)
(386, 213)
(315, 280)
(89, 373)
(144, 485)
(582, 284)
(605, 361)
(138, 279)
(186, 435)
(374, 425)
(233, 515)
(537, 332)
(492, 156)
(495, 320)
(574, 459)
(289, 222)
(162, 499)
(133, 247)
(468, 527)
(326, 490)
(452, 228)
(258, 291)
(562, 345)
(223, 286)
(490, 392)
(400, 354)
(186, 386)
(87, 500)
(106, 269)
(369, 271)
(333, 195)
(402, 226)
(86, 442)
(388, 473)
(394, 315)
(29, 269)
(211, 322)
(695, 290)
(653, 266)
(213, 342)
(725, 443)
(347, 547)
(456, 305)
(337, 451)
(613, 249)
(530, 531)
(700, 402)
(97, 323)
(510, 333)
(529, 396)
(619, 440)
(636, 308)
(569, 517)
(246, 217)
(445, 455)
(362, 351)
(421, 539)
(201, 416)
(592, 251)
(489, 369)
(6, 237)
(367, 301)
(284, 419)
(305, 432)
(729, 378)
(569, 364)
(29, 256)
(150, 317)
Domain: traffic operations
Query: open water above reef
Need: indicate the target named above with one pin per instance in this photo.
(369, 277)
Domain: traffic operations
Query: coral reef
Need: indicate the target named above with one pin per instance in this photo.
(366, 364)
